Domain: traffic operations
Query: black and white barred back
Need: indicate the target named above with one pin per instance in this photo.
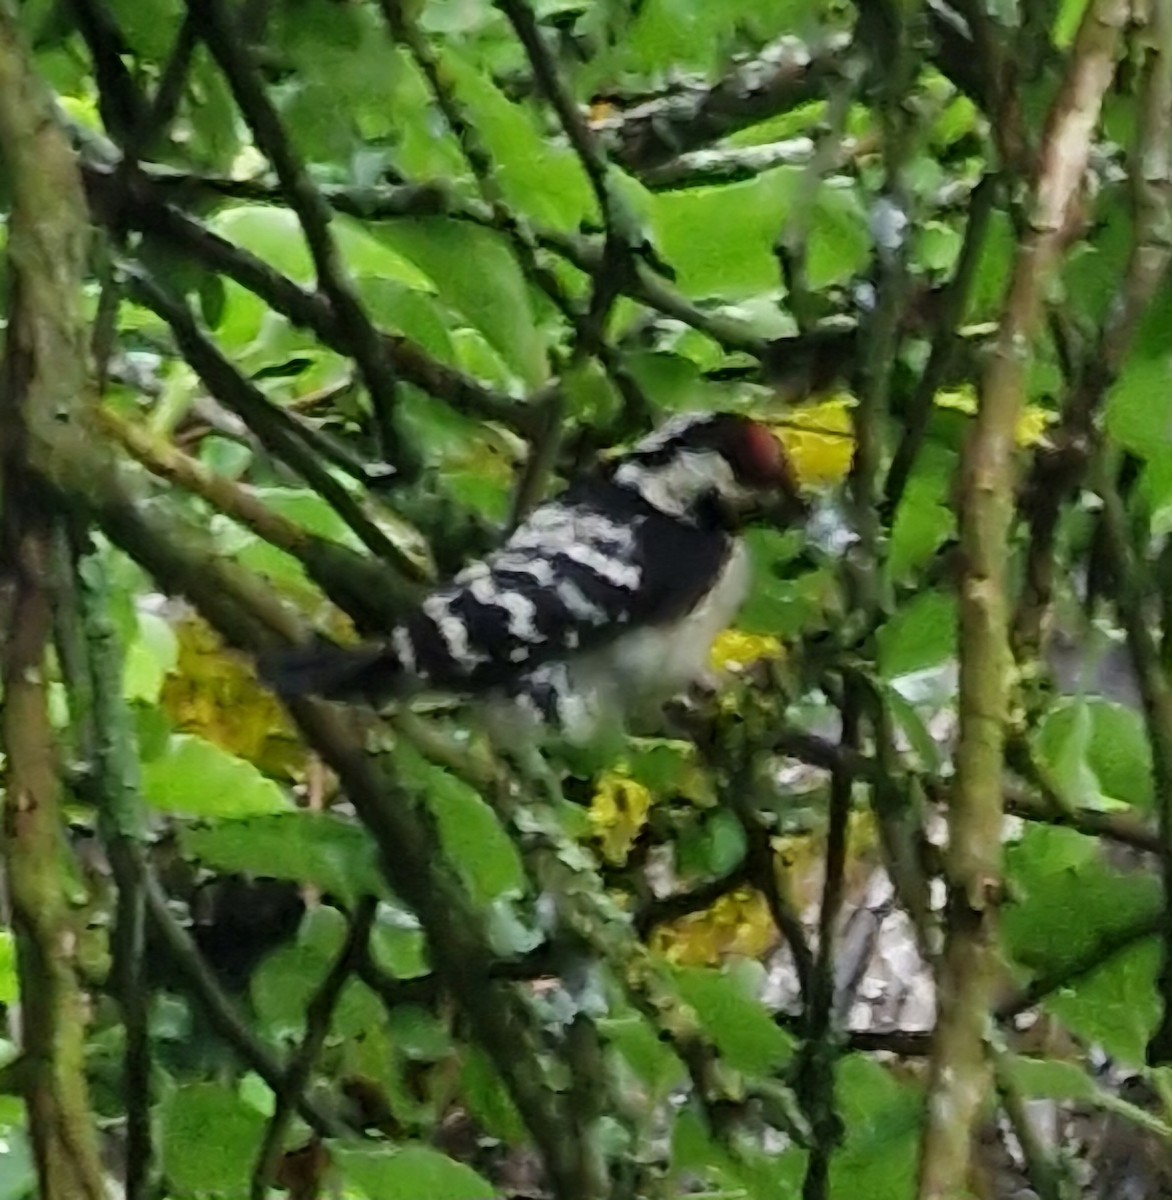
(608, 597)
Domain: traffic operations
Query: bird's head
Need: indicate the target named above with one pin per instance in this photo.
(704, 466)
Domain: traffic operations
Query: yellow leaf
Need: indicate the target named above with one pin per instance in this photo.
(738, 924)
(734, 650)
(820, 440)
(214, 693)
(1031, 424)
(618, 814)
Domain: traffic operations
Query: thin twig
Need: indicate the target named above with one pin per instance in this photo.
(155, 119)
(1042, 1170)
(147, 212)
(220, 1010)
(1135, 597)
(816, 1071)
(364, 342)
(318, 1014)
(791, 245)
(271, 426)
(944, 344)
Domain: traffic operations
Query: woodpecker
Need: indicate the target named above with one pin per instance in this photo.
(605, 602)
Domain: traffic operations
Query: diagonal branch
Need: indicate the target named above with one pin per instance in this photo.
(271, 426)
(363, 340)
(318, 1015)
(365, 588)
(145, 209)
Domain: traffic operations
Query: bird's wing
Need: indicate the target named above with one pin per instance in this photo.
(577, 574)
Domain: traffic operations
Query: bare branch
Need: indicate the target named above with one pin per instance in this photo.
(368, 348)
(783, 76)
(970, 965)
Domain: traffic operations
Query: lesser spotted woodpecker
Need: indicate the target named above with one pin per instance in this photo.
(605, 600)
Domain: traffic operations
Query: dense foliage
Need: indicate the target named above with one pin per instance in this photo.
(305, 301)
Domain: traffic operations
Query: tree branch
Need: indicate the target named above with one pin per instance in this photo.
(785, 75)
(318, 1015)
(365, 588)
(112, 781)
(145, 209)
(222, 1013)
(363, 340)
(970, 965)
(43, 370)
(271, 426)
(1058, 471)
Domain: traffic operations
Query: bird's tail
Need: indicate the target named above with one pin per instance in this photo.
(367, 672)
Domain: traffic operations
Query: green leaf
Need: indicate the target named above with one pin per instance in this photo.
(342, 93)
(405, 310)
(675, 34)
(914, 726)
(992, 275)
(840, 241)
(1065, 902)
(149, 658)
(471, 835)
(488, 1099)
(1098, 751)
(925, 517)
(148, 26)
(780, 602)
(639, 1044)
(9, 982)
(314, 848)
(1139, 409)
(920, 635)
(1116, 1007)
(882, 1118)
(1065, 906)
(286, 981)
(215, 124)
(195, 778)
(210, 1140)
(413, 1172)
(750, 1175)
(476, 274)
(539, 178)
(418, 1033)
(1070, 13)
(740, 262)
(1091, 275)
(715, 846)
(1052, 1079)
(1049, 1078)
(274, 235)
(742, 1030)
(398, 943)
(18, 1176)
